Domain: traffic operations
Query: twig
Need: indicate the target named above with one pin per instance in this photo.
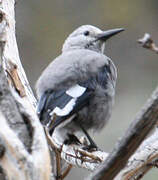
(148, 43)
(88, 154)
(57, 155)
(66, 172)
(75, 155)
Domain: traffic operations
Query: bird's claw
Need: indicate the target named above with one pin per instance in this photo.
(72, 139)
(90, 148)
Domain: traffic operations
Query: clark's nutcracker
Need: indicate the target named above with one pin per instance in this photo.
(76, 91)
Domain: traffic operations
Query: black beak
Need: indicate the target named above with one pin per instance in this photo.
(108, 34)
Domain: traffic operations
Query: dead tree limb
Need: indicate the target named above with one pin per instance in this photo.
(133, 137)
(145, 158)
(147, 42)
(22, 137)
(75, 155)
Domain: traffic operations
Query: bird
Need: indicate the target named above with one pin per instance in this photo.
(76, 91)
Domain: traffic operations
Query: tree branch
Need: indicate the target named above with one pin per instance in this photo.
(75, 155)
(21, 134)
(139, 129)
(147, 42)
(143, 160)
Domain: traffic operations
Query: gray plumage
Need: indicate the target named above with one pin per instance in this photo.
(83, 70)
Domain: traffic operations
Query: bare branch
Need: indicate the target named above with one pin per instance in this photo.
(75, 155)
(138, 130)
(148, 43)
(143, 159)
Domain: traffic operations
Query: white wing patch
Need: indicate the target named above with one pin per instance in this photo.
(66, 110)
(74, 92)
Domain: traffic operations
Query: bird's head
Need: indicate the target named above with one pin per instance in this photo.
(89, 37)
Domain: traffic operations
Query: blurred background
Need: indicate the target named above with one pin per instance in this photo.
(42, 27)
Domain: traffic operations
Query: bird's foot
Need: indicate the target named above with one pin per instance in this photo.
(90, 148)
(72, 139)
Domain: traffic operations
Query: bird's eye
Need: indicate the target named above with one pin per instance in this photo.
(86, 33)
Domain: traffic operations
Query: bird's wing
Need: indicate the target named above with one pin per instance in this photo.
(62, 104)
(66, 102)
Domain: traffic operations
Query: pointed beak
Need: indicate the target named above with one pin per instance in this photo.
(108, 34)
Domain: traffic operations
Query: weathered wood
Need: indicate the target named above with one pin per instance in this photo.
(144, 122)
(24, 152)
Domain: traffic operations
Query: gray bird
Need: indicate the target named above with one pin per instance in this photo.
(76, 91)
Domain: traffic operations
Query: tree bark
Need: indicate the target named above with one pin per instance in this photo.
(24, 152)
